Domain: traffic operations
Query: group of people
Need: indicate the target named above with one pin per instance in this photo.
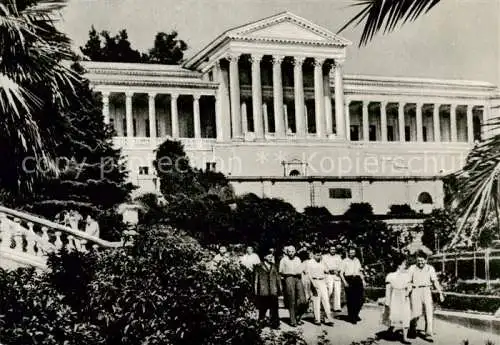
(320, 278)
(73, 219)
(409, 296)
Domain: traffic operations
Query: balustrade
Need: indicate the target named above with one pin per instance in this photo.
(29, 238)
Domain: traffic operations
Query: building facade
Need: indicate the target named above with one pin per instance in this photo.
(268, 104)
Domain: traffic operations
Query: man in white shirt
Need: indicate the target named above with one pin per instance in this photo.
(316, 271)
(354, 282)
(250, 259)
(423, 277)
(333, 262)
(290, 269)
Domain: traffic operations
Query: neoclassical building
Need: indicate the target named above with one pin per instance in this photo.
(268, 104)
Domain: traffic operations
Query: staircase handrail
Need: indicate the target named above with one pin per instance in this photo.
(57, 226)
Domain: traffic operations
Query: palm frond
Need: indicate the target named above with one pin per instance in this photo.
(385, 15)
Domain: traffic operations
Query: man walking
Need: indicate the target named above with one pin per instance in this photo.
(423, 277)
(316, 271)
(290, 269)
(352, 277)
(267, 289)
(333, 262)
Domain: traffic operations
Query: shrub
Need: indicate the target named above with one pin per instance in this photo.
(401, 210)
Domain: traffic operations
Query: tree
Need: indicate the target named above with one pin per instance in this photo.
(167, 49)
(386, 15)
(32, 81)
(92, 175)
(438, 228)
(104, 47)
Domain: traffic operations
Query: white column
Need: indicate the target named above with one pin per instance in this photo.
(285, 113)
(436, 122)
(279, 118)
(196, 116)
(328, 100)
(470, 124)
(418, 112)
(383, 120)
(234, 81)
(222, 115)
(347, 128)
(175, 115)
(266, 119)
(298, 86)
(152, 115)
(366, 128)
(244, 118)
(453, 121)
(339, 103)
(128, 114)
(319, 97)
(257, 97)
(401, 121)
(105, 106)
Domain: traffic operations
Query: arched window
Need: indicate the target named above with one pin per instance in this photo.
(294, 172)
(425, 198)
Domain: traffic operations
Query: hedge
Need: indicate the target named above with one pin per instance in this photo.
(452, 300)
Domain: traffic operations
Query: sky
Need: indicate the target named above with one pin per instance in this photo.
(458, 39)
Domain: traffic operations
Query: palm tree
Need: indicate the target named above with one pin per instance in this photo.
(386, 15)
(32, 80)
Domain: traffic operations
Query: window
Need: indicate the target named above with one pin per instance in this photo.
(134, 123)
(124, 126)
(407, 133)
(390, 133)
(425, 198)
(355, 133)
(210, 166)
(144, 170)
(294, 172)
(147, 128)
(340, 193)
(424, 133)
(372, 134)
(211, 76)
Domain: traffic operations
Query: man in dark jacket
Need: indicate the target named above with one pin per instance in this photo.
(267, 289)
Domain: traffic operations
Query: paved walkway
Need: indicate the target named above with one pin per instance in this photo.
(344, 333)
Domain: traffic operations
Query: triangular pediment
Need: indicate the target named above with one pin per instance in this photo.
(287, 26)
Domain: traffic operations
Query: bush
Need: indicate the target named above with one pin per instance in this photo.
(401, 210)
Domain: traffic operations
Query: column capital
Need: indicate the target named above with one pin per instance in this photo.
(278, 59)
(256, 58)
(174, 95)
(129, 93)
(384, 103)
(196, 97)
(339, 62)
(233, 57)
(318, 61)
(152, 94)
(298, 61)
(105, 93)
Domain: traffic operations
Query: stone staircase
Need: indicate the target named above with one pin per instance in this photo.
(25, 239)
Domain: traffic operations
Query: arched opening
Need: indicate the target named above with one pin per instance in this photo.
(425, 198)
(294, 172)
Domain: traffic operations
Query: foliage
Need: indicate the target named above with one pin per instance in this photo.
(33, 84)
(359, 211)
(272, 337)
(386, 15)
(33, 312)
(167, 48)
(401, 210)
(477, 195)
(438, 229)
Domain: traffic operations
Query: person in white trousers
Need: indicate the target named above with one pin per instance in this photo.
(333, 262)
(316, 271)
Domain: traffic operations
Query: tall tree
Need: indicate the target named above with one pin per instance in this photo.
(92, 176)
(168, 49)
(32, 80)
(104, 47)
(386, 15)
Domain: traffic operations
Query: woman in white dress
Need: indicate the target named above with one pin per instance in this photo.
(397, 300)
